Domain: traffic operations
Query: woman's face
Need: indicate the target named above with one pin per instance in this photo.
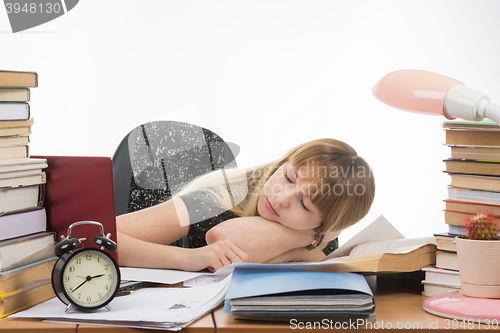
(283, 199)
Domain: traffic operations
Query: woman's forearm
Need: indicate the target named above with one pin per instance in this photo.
(134, 252)
(261, 239)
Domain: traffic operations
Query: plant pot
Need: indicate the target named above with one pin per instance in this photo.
(479, 265)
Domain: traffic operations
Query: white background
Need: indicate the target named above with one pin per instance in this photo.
(266, 75)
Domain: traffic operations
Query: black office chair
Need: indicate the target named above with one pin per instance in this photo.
(157, 159)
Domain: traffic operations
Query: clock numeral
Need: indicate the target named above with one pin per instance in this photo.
(89, 299)
(110, 277)
(106, 267)
(78, 261)
(66, 279)
(79, 295)
(88, 257)
(71, 268)
(107, 287)
(99, 295)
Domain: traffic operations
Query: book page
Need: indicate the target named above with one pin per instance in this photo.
(379, 230)
(392, 246)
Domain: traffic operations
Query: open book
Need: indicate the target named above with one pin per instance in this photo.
(400, 255)
(381, 248)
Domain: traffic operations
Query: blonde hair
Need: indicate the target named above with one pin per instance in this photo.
(343, 186)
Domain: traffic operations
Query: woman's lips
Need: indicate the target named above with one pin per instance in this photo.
(270, 208)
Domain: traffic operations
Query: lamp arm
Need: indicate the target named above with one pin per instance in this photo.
(492, 112)
(465, 103)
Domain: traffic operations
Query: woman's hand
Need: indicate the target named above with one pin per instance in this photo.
(214, 256)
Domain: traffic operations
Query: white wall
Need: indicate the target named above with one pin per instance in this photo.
(266, 75)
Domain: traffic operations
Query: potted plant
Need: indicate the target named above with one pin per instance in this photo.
(479, 256)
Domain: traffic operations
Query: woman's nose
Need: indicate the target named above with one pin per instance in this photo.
(283, 199)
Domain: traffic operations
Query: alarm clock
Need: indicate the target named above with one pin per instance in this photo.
(85, 278)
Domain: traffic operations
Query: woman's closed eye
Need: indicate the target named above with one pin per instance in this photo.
(303, 205)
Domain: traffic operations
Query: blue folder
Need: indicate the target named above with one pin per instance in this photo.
(249, 282)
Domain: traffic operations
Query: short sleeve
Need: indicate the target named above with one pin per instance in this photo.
(201, 206)
(204, 213)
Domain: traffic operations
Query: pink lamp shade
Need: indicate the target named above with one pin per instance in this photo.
(414, 90)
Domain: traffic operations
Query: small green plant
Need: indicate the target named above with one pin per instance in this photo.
(481, 226)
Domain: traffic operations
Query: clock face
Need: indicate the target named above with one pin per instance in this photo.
(89, 278)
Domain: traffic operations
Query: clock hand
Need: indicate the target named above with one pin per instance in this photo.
(88, 278)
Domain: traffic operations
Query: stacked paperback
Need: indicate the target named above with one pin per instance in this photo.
(26, 248)
(474, 170)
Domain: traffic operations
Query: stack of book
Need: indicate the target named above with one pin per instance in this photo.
(444, 276)
(474, 170)
(26, 248)
(15, 115)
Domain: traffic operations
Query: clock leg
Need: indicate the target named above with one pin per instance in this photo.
(107, 307)
(68, 308)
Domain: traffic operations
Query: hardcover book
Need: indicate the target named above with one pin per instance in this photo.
(22, 223)
(14, 111)
(16, 252)
(18, 79)
(14, 95)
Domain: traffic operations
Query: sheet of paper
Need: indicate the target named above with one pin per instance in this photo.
(379, 230)
(150, 307)
(140, 305)
(197, 304)
(203, 280)
(290, 265)
(393, 246)
(167, 276)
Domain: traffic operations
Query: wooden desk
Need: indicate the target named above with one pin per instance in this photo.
(203, 325)
(398, 305)
(19, 325)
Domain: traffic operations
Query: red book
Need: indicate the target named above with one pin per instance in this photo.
(80, 189)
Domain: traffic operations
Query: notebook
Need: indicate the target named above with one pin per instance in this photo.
(80, 188)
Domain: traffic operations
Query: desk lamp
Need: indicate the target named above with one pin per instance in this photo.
(430, 93)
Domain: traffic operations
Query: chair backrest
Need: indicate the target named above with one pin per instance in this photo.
(157, 159)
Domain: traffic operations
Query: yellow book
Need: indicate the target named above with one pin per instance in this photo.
(26, 298)
(14, 280)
